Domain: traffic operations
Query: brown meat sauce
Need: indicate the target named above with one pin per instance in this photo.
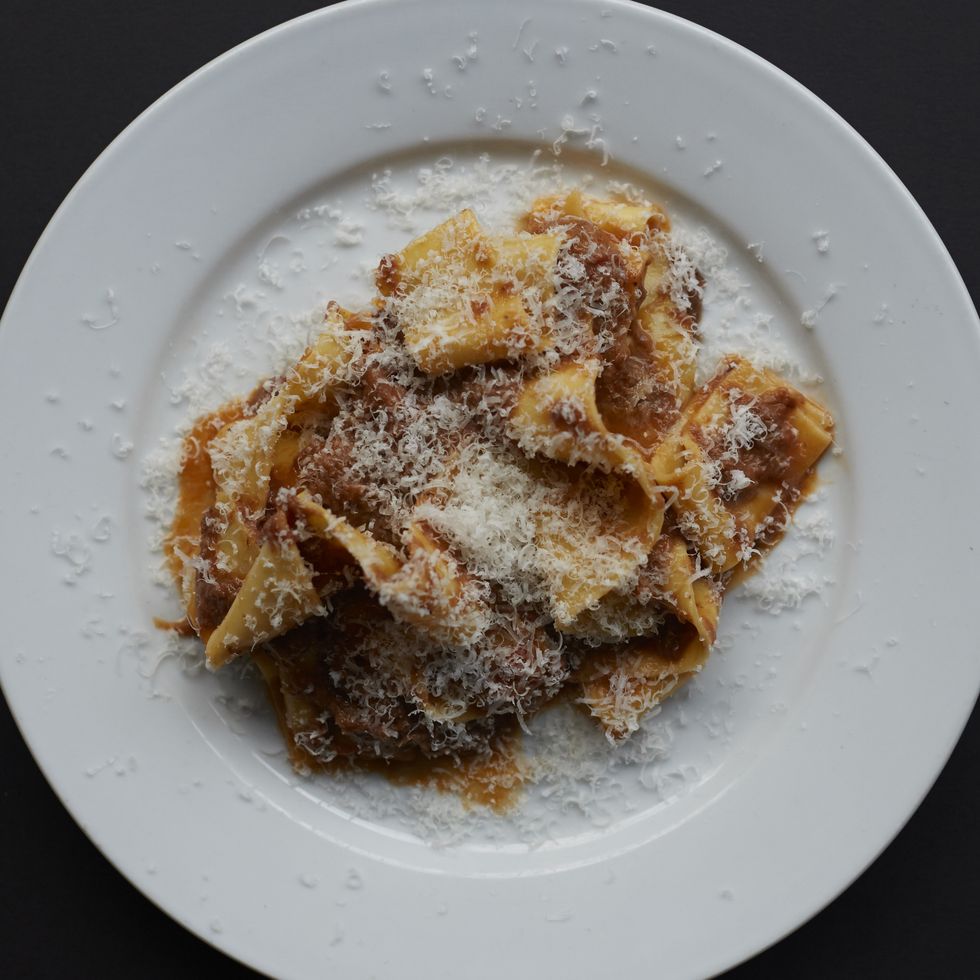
(612, 289)
(213, 592)
(633, 398)
(325, 465)
(326, 664)
(635, 393)
(771, 457)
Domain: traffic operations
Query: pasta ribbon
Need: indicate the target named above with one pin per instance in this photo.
(624, 219)
(600, 515)
(276, 595)
(621, 684)
(669, 584)
(556, 416)
(464, 297)
(429, 589)
(741, 449)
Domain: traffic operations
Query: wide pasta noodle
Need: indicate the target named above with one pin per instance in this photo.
(624, 219)
(670, 584)
(276, 595)
(556, 415)
(725, 495)
(620, 685)
(617, 539)
(253, 445)
(464, 297)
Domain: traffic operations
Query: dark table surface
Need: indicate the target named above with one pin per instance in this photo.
(905, 74)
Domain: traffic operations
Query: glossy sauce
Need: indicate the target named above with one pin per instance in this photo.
(493, 781)
(770, 538)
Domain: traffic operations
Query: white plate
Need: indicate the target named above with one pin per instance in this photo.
(809, 741)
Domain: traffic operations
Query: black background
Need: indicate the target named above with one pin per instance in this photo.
(905, 74)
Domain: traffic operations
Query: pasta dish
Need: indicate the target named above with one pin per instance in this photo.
(496, 486)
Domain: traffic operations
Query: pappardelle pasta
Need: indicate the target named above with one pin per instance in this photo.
(495, 486)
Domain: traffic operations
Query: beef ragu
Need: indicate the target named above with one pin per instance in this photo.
(634, 400)
(769, 457)
(494, 489)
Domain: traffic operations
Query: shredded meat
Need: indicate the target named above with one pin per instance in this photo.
(324, 468)
(214, 591)
(379, 390)
(363, 707)
(769, 459)
(592, 261)
(325, 465)
(633, 398)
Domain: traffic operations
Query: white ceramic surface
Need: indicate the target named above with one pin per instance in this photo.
(829, 726)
